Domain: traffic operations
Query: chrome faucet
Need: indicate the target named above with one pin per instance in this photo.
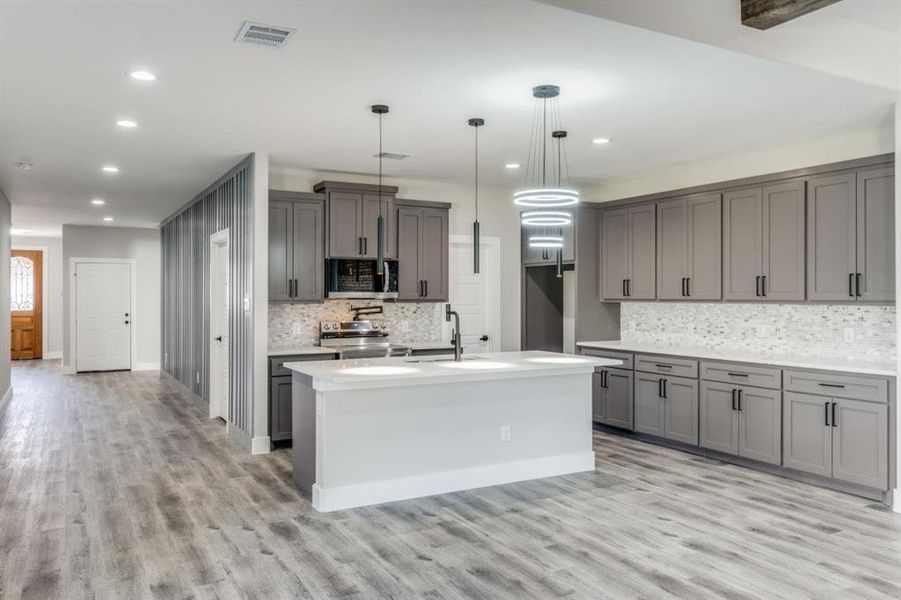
(458, 350)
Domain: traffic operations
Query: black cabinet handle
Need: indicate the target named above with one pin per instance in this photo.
(365, 245)
(857, 285)
(757, 286)
(660, 388)
(832, 385)
(662, 366)
(664, 389)
(624, 288)
(733, 399)
(739, 401)
(826, 406)
(688, 286)
(737, 374)
(629, 287)
(683, 286)
(420, 288)
(426, 288)
(763, 286)
(833, 413)
(290, 288)
(850, 286)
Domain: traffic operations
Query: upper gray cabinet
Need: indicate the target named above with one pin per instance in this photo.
(763, 242)
(296, 247)
(353, 212)
(628, 253)
(850, 245)
(689, 248)
(422, 246)
(547, 256)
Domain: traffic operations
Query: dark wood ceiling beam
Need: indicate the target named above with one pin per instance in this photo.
(763, 14)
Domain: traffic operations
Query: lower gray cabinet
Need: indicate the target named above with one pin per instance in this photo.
(649, 404)
(612, 398)
(718, 428)
(806, 434)
(667, 407)
(280, 408)
(741, 420)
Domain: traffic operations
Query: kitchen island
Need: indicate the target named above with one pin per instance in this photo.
(378, 430)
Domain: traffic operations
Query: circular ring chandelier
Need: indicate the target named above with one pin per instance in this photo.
(546, 218)
(546, 241)
(546, 198)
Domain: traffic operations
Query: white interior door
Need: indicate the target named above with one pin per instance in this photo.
(476, 297)
(103, 317)
(219, 312)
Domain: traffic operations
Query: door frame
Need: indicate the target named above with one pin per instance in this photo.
(45, 251)
(219, 238)
(71, 368)
(490, 268)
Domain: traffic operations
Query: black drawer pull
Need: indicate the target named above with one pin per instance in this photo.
(660, 388)
(737, 374)
(659, 366)
(832, 385)
(739, 401)
(733, 399)
(833, 413)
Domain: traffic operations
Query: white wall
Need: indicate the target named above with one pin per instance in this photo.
(5, 222)
(143, 245)
(497, 215)
(53, 307)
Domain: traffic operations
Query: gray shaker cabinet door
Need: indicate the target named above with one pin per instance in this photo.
(598, 398)
(309, 250)
(433, 247)
(344, 224)
(742, 243)
(619, 399)
(681, 409)
(280, 426)
(783, 241)
(409, 226)
(370, 224)
(672, 249)
(719, 417)
(649, 416)
(533, 256)
(642, 275)
(614, 253)
(760, 425)
(705, 247)
(876, 234)
(806, 437)
(860, 443)
(831, 236)
(281, 267)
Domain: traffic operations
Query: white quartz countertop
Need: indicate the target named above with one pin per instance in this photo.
(405, 371)
(430, 345)
(291, 350)
(862, 367)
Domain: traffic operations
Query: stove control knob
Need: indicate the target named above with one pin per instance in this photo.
(326, 326)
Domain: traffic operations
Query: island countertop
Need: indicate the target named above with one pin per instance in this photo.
(406, 371)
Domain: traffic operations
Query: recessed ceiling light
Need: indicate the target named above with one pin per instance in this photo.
(108, 219)
(110, 169)
(98, 202)
(126, 123)
(142, 75)
(600, 141)
(512, 165)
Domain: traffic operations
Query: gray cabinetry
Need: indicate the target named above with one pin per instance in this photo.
(422, 240)
(296, 247)
(741, 420)
(876, 234)
(719, 417)
(280, 426)
(353, 212)
(649, 417)
(612, 398)
(689, 248)
(547, 256)
(628, 253)
(614, 253)
(667, 407)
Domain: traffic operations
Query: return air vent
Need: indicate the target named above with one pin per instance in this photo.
(392, 155)
(264, 35)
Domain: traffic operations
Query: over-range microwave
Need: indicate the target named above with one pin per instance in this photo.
(356, 278)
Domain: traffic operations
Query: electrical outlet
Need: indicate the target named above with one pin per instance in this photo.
(506, 433)
(849, 334)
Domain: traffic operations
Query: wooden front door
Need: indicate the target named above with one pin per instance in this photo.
(25, 303)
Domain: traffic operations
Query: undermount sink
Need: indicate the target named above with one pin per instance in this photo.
(441, 360)
(558, 360)
(378, 370)
(483, 365)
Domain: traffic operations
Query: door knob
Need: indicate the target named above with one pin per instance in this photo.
(219, 338)
(484, 338)
(126, 322)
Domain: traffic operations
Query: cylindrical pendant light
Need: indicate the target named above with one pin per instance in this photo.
(380, 109)
(559, 135)
(475, 123)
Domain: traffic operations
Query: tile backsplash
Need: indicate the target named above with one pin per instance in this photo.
(298, 324)
(863, 332)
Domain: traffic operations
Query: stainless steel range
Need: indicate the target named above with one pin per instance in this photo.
(359, 339)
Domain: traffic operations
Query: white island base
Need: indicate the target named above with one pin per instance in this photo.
(399, 429)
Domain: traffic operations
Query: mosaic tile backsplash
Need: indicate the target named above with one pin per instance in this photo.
(298, 324)
(862, 332)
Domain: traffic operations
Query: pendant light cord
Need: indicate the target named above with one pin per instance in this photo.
(544, 143)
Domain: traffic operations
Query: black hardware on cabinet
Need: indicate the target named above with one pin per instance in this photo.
(290, 288)
(851, 284)
(737, 374)
(833, 385)
(665, 395)
(484, 338)
(683, 286)
(826, 406)
(857, 285)
(757, 286)
(662, 366)
(218, 338)
(624, 288)
(763, 286)
(365, 245)
(660, 388)
(733, 399)
(126, 314)
(629, 287)
(126, 322)
(688, 286)
(426, 288)
(739, 401)
(833, 413)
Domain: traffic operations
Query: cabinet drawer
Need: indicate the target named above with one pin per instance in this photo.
(276, 363)
(667, 365)
(767, 377)
(626, 357)
(836, 385)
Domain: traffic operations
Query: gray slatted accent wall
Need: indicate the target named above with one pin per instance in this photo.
(185, 250)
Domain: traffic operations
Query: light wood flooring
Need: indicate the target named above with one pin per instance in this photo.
(112, 486)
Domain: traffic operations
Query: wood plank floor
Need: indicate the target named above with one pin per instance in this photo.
(111, 486)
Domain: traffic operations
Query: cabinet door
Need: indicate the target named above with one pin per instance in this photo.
(860, 443)
(281, 241)
(760, 425)
(806, 437)
(598, 398)
(344, 226)
(705, 247)
(308, 256)
(681, 409)
(569, 242)
(280, 408)
(648, 405)
(433, 247)
(672, 249)
(370, 224)
(614, 253)
(409, 226)
(876, 234)
(831, 236)
(783, 241)
(642, 252)
(619, 399)
(533, 256)
(742, 243)
(719, 420)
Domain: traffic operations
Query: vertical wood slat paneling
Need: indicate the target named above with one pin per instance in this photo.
(185, 258)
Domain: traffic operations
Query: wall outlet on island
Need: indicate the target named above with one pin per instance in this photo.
(506, 433)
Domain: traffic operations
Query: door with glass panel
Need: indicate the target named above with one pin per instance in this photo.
(25, 268)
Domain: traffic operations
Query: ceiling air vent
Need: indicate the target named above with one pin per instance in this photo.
(264, 35)
(392, 155)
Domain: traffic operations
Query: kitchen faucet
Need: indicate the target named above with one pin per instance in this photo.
(458, 350)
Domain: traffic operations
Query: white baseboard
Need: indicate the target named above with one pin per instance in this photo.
(5, 399)
(146, 366)
(896, 500)
(260, 445)
(52, 355)
(429, 484)
(67, 369)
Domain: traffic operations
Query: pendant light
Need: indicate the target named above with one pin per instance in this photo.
(475, 123)
(559, 135)
(380, 109)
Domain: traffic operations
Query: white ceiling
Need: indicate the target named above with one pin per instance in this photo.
(662, 99)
